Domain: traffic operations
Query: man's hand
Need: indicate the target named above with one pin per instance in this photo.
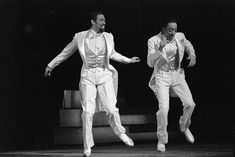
(135, 59)
(162, 44)
(192, 60)
(48, 71)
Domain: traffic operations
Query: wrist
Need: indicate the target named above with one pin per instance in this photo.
(49, 67)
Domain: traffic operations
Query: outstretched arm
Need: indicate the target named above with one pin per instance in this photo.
(66, 53)
(120, 58)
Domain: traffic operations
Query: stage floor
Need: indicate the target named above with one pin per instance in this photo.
(147, 149)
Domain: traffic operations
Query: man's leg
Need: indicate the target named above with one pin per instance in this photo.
(108, 98)
(88, 91)
(163, 82)
(162, 95)
(184, 93)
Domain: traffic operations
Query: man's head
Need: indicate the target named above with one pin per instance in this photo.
(169, 28)
(98, 21)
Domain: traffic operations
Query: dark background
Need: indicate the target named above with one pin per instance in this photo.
(32, 32)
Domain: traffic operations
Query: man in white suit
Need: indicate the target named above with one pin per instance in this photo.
(98, 82)
(165, 53)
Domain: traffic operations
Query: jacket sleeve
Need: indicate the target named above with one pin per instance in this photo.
(117, 56)
(189, 48)
(65, 54)
(187, 44)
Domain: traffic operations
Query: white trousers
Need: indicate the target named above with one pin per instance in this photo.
(172, 80)
(98, 80)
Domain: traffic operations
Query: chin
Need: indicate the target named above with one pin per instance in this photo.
(102, 29)
(171, 38)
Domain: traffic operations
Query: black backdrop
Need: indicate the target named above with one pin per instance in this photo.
(34, 32)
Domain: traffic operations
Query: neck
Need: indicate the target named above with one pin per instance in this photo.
(95, 29)
(167, 37)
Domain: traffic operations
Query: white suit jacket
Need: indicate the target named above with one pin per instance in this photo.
(78, 44)
(155, 58)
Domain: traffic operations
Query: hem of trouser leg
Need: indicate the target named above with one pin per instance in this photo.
(88, 146)
(123, 132)
(116, 129)
(183, 130)
(162, 141)
(182, 127)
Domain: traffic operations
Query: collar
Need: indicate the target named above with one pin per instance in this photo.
(163, 37)
(93, 34)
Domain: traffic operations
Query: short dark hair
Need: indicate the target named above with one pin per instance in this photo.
(94, 15)
(167, 21)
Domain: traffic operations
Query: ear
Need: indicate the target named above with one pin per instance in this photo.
(92, 22)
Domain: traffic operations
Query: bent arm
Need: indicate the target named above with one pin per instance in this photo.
(189, 48)
(153, 53)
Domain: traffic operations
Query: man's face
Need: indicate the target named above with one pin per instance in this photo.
(170, 30)
(99, 24)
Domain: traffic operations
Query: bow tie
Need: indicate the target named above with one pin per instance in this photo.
(94, 35)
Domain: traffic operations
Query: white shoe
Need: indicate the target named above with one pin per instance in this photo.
(127, 140)
(161, 147)
(189, 136)
(87, 152)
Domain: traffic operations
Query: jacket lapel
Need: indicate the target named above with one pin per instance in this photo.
(180, 49)
(81, 42)
(108, 41)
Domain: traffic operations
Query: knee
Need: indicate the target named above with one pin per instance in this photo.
(112, 110)
(163, 109)
(88, 109)
(190, 104)
(87, 115)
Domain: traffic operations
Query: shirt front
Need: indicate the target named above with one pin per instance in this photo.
(169, 50)
(95, 49)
